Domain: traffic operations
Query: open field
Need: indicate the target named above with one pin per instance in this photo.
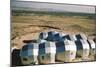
(27, 25)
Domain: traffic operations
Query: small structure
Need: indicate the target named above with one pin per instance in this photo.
(65, 51)
(92, 46)
(69, 37)
(41, 41)
(29, 53)
(47, 52)
(81, 36)
(43, 35)
(63, 36)
(53, 36)
(72, 37)
(82, 48)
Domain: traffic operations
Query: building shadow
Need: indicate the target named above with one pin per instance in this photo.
(15, 58)
(29, 41)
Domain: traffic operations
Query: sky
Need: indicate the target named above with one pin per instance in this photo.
(38, 6)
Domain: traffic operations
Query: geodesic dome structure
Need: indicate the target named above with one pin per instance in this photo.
(29, 53)
(53, 46)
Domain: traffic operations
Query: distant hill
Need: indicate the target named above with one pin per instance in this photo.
(40, 13)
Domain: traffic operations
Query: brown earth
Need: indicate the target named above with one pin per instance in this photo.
(28, 27)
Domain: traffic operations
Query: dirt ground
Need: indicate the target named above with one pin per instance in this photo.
(28, 27)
